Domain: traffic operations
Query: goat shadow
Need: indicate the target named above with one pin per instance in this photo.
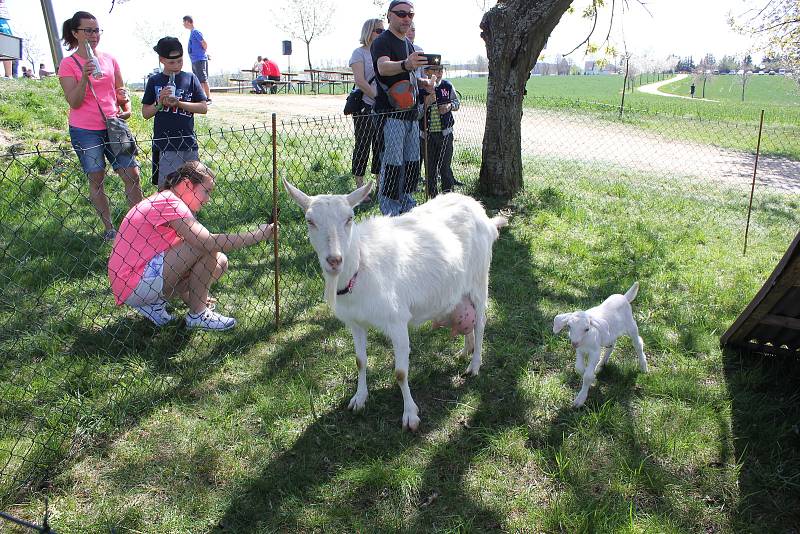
(338, 441)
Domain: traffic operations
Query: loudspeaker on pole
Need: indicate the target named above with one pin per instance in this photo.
(287, 48)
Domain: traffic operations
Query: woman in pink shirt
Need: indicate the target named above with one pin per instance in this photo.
(161, 251)
(87, 127)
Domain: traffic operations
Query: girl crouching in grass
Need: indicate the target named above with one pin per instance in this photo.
(161, 251)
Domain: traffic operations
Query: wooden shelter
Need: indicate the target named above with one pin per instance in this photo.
(771, 322)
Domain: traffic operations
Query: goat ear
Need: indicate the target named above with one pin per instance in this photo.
(301, 198)
(356, 197)
(560, 322)
(602, 327)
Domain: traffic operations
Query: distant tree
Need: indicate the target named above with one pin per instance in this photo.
(32, 51)
(744, 77)
(729, 63)
(305, 20)
(147, 32)
(481, 63)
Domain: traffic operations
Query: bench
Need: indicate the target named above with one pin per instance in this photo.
(270, 84)
(239, 82)
(332, 84)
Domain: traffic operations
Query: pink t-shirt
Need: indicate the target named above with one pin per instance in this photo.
(143, 233)
(88, 116)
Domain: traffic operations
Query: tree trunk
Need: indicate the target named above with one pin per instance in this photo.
(308, 54)
(515, 32)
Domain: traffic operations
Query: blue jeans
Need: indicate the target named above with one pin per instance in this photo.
(255, 83)
(399, 166)
(92, 149)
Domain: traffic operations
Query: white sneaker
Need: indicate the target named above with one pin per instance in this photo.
(155, 312)
(209, 320)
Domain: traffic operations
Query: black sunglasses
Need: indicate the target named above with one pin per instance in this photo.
(404, 14)
(378, 30)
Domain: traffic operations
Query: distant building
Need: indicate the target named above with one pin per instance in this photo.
(599, 67)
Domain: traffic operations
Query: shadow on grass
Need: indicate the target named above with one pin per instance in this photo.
(338, 442)
(765, 416)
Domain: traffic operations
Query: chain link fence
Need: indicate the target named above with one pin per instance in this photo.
(77, 369)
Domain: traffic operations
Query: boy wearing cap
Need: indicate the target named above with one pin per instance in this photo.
(174, 141)
(438, 131)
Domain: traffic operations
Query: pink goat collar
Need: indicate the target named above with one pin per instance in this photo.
(349, 287)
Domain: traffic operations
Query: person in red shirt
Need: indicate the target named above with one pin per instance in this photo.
(269, 71)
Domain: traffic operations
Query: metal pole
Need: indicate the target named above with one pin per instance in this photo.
(624, 84)
(753, 186)
(52, 32)
(275, 200)
(425, 149)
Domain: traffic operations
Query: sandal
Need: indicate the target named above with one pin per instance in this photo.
(109, 235)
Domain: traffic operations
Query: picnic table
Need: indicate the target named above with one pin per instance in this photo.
(331, 78)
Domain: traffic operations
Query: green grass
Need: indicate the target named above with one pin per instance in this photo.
(127, 427)
(778, 95)
(249, 431)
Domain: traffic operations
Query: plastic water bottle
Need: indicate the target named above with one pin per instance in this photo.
(170, 87)
(98, 73)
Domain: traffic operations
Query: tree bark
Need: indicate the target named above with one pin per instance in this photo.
(515, 32)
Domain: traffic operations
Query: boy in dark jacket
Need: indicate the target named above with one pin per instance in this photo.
(438, 129)
(174, 140)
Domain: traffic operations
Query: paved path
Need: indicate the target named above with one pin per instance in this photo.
(653, 89)
(559, 135)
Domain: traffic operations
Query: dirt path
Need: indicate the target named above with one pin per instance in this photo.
(553, 134)
(239, 110)
(654, 89)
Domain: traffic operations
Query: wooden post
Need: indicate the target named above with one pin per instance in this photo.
(275, 200)
(753, 186)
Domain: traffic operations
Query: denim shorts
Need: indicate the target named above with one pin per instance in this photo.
(151, 285)
(92, 149)
(200, 69)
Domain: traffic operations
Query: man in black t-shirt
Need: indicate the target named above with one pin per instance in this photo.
(397, 103)
(174, 141)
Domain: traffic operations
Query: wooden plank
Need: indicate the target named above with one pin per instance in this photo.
(781, 320)
(771, 292)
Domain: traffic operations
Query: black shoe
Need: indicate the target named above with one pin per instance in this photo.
(456, 182)
(208, 101)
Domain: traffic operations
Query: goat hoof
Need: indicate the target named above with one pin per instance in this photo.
(357, 402)
(472, 370)
(410, 422)
(578, 402)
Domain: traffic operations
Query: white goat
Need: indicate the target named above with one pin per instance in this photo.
(392, 272)
(600, 327)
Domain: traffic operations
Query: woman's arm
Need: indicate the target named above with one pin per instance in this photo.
(75, 90)
(361, 79)
(124, 105)
(195, 234)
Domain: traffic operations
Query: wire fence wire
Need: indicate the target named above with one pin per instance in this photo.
(78, 370)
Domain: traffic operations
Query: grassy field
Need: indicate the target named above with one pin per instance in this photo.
(778, 95)
(172, 431)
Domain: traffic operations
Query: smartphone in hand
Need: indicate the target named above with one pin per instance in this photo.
(432, 59)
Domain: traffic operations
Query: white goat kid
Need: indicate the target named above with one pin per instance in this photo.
(600, 327)
(392, 272)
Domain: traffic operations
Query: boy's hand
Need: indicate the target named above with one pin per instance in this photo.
(170, 101)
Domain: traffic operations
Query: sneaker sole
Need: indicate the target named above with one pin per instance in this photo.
(206, 329)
